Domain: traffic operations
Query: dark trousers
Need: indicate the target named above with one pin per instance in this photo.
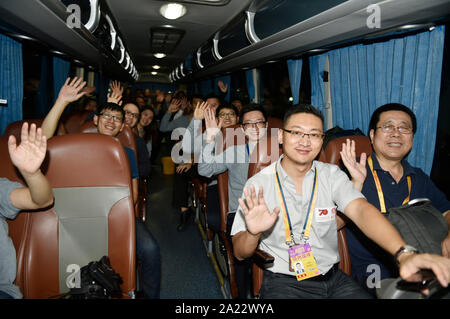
(4, 295)
(333, 285)
(213, 207)
(149, 257)
(241, 267)
(180, 195)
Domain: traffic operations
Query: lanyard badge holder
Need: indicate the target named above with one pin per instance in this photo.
(300, 255)
(380, 191)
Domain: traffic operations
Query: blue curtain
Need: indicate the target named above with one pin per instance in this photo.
(406, 70)
(316, 70)
(61, 69)
(251, 86)
(295, 75)
(11, 83)
(227, 81)
(102, 86)
(44, 93)
(206, 87)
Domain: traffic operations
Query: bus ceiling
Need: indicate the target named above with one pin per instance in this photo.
(128, 39)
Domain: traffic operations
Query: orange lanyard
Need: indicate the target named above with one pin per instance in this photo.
(287, 221)
(380, 191)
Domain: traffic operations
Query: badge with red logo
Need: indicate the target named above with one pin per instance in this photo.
(325, 214)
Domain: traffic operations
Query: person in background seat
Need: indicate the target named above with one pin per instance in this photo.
(391, 131)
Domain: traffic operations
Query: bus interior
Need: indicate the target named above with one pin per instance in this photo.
(346, 57)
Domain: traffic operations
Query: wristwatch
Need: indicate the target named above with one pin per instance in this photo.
(405, 249)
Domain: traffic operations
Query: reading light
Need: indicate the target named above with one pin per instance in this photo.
(172, 11)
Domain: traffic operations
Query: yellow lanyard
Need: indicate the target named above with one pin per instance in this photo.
(380, 191)
(287, 221)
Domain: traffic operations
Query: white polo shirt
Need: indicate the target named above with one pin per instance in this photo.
(335, 192)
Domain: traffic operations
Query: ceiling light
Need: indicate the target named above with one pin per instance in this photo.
(159, 55)
(154, 72)
(172, 11)
(156, 67)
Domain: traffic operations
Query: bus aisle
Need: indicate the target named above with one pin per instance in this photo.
(186, 269)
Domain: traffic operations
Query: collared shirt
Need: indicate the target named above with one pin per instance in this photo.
(335, 192)
(235, 159)
(363, 251)
(8, 262)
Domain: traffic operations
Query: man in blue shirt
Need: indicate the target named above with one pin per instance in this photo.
(110, 121)
(391, 132)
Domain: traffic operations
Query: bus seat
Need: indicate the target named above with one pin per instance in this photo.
(232, 135)
(92, 216)
(268, 151)
(18, 228)
(333, 148)
(75, 120)
(274, 122)
(15, 128)
(126, 136)
(333, 156)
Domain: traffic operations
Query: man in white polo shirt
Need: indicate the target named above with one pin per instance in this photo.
(289, 210)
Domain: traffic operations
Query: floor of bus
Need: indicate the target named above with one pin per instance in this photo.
(186, 270)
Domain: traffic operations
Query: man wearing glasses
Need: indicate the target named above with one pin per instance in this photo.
(132, 116)
(289, 209)
(391, 131)
(235, 159)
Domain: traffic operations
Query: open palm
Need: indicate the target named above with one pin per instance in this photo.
(72, 90)
(357, 170)
(212, 127)
(29, 155)
(257, 215)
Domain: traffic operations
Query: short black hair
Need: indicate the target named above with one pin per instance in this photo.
(250, 108)
(227, 106)
(214, 96)
(111, 107)
(392, 107)
(302, 108)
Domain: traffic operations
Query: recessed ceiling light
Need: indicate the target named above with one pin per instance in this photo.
(159, 55)
(154, 73)
(156, 67)
(172, 11)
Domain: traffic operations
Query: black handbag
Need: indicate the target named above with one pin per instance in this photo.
(420, 224)
(98, 281)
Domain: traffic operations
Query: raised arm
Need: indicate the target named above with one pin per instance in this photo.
(28, 157)
(70, 92)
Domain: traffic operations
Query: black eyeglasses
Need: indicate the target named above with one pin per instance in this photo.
(260, 124)
(388, 128)
(108, 116)
(135, 115)
(297, 135)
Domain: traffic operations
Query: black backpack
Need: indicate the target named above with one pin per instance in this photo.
(420, 224)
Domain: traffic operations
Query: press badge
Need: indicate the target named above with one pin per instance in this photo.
(302, 262)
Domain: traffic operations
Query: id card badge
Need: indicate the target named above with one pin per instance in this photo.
(302, 262)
